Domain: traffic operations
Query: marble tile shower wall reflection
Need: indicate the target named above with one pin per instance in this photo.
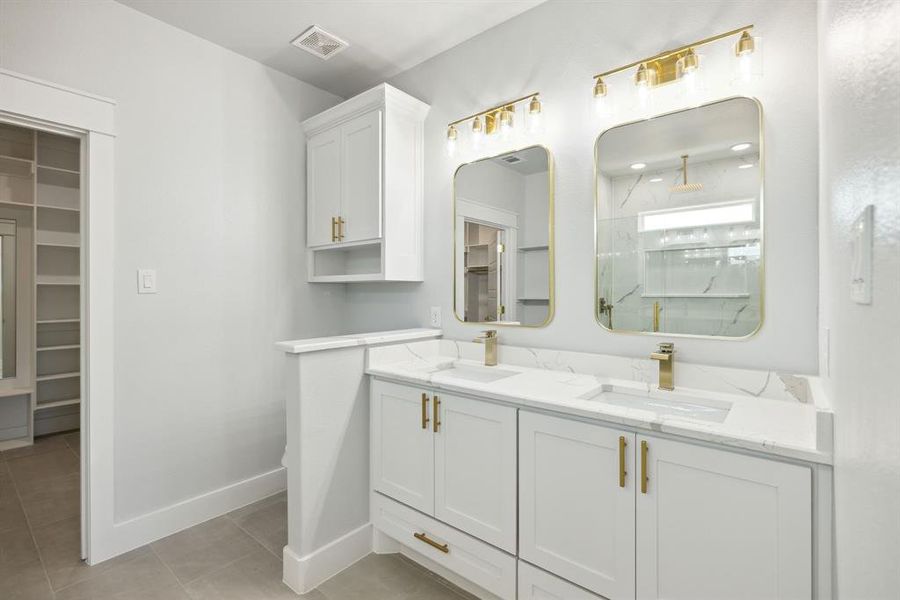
(703, 291)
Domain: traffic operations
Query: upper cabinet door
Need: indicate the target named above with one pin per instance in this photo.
(717, 525)
(403, 444)
(576, 510)
(323, 187)
(361, 177)
(475, 469)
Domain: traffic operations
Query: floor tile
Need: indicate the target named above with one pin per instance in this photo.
(378, 577)
(59, 545)
(73, 441)
(29, 469)
(204, 548)
(11, 514)
(40, 446)
(144, 578)
(49, 500)
(21, 574)
(266, 522)
(257, 576)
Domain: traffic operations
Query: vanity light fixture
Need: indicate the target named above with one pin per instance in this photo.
(601, 103)
(638, 166)
(679, 64)
(498, 119)
(748, 52)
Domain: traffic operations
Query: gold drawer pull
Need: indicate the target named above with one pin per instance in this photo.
(622, 472)
(334, 235)
(644, 477)
(341, 223)
(424, 538)
(437, 415)
(425, 418)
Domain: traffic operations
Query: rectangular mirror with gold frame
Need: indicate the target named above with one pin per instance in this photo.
(503, 239)
(679, 222)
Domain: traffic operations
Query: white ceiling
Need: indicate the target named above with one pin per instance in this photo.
(386, 37)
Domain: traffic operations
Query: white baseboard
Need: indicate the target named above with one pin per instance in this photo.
(304, 574)
(139, 531)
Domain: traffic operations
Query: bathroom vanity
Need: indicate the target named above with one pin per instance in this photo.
(568, 475)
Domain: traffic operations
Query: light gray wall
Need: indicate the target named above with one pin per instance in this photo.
(860, 165)
(555, 49)
(210, 191)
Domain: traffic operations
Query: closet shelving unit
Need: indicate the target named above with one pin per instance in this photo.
(48, 179)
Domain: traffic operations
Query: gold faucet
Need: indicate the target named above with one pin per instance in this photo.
(489, 339)
(665, 354)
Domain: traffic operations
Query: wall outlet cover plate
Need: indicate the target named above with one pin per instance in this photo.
(861, 242)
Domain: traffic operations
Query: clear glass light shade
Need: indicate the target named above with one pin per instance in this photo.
(477, 132)
(644, 80)
(692, 77)
(602, 103)
(507, 122)
(747, 61)
(534, 120)
(452, 135)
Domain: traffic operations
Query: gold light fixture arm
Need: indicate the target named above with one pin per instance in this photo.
(494, 109)
(674, 51)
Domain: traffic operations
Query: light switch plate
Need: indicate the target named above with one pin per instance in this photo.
(861, 256)
(435, 317)
(146, 279)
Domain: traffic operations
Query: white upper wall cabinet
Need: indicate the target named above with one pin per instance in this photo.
(364, 198)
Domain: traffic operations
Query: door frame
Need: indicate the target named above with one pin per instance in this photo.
(46, 106)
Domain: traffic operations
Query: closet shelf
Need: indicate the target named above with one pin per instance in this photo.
(50, 321)
(58, 376)
(7, 202)
(533, 248)
(57, 403)
(51, 207)
(52, 348)
(57, 238)
(58, 169)
(16, 158)
(58, 280)
(15, 392)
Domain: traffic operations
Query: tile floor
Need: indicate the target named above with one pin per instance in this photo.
(236, 556)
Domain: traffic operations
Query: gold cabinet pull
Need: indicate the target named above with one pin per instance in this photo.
(424, 410)
(334, 235)
(424, 538)
(622, 472)
(644, 477)
(437, 408)
(340, 223)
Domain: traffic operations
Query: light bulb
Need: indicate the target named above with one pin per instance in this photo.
(644, 80)
(452, 134)
(602, 106)
(477, 132)
(506, 122)
(689, 73)
(748, 59)
(535, 116)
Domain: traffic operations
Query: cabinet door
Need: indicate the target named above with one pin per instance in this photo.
(323, 185)
(535, 584)
(361, 177)
(575, 519)
(475, 469)
(403, 445)
(715, 525)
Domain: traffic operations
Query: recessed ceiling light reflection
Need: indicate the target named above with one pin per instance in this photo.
(638, 166)
(739, 147)
(656, 180)
(746, 166)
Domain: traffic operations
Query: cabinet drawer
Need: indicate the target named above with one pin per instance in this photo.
(535, 584)
(480, 563)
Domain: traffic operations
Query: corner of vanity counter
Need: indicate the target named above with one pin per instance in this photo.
(318, 344)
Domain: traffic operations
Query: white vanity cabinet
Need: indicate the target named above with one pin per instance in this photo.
(714, 525)
(576, 512)
(450, 457)
(364, 199)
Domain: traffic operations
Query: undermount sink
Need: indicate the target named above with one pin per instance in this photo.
(475, 372)
(664, 403)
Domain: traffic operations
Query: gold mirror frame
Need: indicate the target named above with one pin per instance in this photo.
(551, 241)
(762, 237)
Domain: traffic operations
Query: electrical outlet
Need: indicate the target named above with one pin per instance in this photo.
(435, 316)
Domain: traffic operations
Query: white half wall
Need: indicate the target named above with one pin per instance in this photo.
(555, 49)
(860, 165)
(210, 191)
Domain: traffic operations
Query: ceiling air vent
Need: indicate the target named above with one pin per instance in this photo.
(511, 159)
(316, 40)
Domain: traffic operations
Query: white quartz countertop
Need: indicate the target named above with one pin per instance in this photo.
(355, 339)
(772, 426)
